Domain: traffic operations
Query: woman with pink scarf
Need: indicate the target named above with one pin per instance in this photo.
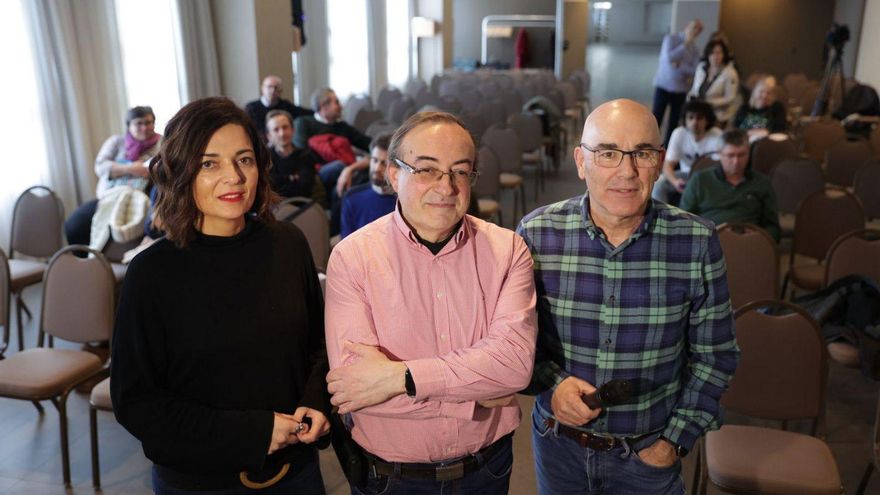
(122, 161)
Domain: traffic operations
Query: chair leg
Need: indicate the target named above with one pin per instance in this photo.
(61, 405)
(19, 304)
(863, 484)
(522, 199)
(93, 434)
(38, 406)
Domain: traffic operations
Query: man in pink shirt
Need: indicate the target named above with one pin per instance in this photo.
(430, 322)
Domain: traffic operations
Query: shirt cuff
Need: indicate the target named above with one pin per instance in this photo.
(428, 377)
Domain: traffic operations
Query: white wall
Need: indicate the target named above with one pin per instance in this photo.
(707, 11)
(469, 15)
(638, 21)
(867, 66)
(849, 12)
(236, 37)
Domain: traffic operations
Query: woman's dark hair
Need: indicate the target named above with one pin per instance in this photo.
(175, 169)
(138, 113)
(702, 109)
(711, 46)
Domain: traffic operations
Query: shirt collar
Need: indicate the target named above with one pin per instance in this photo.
(719, 173)
(464, 231)
(322, 120)
(594, 231)
(265, 101)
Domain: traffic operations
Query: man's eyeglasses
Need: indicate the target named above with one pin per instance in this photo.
(611, 157)
(430, 175)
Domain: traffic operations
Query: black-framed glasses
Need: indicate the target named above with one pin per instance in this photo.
(430, 175)
(612, 157)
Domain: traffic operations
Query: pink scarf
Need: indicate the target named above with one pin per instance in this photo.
(134, 148)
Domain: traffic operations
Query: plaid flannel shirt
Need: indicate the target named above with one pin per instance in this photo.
(654, 310)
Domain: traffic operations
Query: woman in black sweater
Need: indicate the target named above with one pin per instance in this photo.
(218, 352)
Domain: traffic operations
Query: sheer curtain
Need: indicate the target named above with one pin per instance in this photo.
(80, 86)
(197, 62)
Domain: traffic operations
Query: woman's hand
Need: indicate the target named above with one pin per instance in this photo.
(319, 427)
(284, 432)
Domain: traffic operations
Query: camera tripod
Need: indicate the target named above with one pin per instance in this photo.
(834, 68)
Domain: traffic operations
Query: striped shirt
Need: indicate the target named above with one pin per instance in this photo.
(654, 310)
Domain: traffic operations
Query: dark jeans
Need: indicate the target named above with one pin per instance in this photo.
(492, 479)
(563, 466)
(78, 227)
(304, 479)
(674, 101)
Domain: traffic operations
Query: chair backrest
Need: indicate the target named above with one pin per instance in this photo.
(414, 86)
(783, 366)
(819, 136)
(856, 252)
(78, 296)
(401, 109)
(473, 122)
(808, 96)
(794, 180)
(427, 97)
(470, 99)
(450, 103)
(752, 263)
(5, 292)
(354, 105)
(795, 84)
(493, 111)
(702, 163)
(380, 127)
(766, 153)
(866, 185)
(569, 93)
(366, 117)
(874, 139)
(310, 218)
(386, 97)
(823, 217)
(512, 102)
(844, 158)
(504, 142)
(488, 184)
(528, 128)
(36, 223)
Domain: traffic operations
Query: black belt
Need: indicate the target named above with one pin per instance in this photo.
(285, 463)
(590, 440)
(443, 471)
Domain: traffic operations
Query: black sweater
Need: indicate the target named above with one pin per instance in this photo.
(211, 339)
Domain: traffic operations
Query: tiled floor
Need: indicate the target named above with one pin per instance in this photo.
(29, 443)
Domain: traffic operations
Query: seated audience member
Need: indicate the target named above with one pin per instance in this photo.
(717, 82)
(364, 203)
(270, 99)
(763, 114)
(327, 119)
(694, 138)
(730, 192)
(121, 161)
(294, 170)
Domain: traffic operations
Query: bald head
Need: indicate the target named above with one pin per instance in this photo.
(617, 118)
(271, 88)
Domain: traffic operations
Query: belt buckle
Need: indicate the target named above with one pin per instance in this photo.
(449, 473)
(600, 442)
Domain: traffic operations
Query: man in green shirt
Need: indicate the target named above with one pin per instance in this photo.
(730, 193)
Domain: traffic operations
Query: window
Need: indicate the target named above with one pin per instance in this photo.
(149, 57)
(349, 64)
(397, 36)
(21, 131)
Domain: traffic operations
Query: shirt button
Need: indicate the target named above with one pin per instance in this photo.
(443, 337)
(607, 341)
(440, 295)
(611, 299)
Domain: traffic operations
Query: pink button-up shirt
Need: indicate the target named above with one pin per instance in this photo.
(463, 321)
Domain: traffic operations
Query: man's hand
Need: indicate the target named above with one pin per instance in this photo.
(498, 402)
(567, 405)
(284, 432)
(659, 454)
(344, 181)
(320, 425)
(370, 380)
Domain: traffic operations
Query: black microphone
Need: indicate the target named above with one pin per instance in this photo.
(613, 393)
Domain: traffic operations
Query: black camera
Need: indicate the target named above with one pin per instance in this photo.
(837, 36)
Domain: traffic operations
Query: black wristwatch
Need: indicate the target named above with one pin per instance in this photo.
(409, 384)
(678, 449)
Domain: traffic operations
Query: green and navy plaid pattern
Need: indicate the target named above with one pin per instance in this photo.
(654, 310)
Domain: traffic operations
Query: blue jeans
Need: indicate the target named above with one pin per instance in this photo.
(493, 478)
(563, 466)
(305, 479)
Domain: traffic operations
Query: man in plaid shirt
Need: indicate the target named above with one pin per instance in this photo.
(628, 288)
